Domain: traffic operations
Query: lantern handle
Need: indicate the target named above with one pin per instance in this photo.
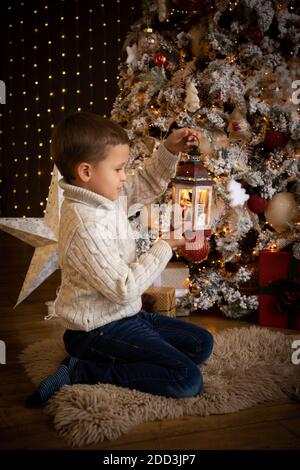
(198, 140)
(194, 152)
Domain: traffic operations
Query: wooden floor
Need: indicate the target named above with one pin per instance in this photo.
(268, 426)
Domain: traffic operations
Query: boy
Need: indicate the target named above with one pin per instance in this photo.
(108, 338)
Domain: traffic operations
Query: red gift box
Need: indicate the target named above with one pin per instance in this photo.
(278, 266)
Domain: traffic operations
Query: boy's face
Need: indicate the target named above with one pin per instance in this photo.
(107, 176)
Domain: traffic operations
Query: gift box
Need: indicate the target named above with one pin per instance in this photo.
(279, 291)
(174, 275)
(161, 300)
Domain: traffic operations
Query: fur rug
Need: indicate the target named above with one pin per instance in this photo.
(248, 366)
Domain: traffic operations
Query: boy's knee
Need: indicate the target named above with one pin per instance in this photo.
(189, 384)
(196, 382)
(205, 347)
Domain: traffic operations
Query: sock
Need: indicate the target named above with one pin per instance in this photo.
(52, 383)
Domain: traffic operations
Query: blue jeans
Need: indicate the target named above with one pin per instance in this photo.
(148, 352)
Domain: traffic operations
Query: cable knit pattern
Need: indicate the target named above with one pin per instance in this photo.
(102, 280)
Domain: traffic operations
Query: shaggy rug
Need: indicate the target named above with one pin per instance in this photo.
(248, 366)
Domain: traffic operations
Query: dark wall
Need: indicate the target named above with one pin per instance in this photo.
(42, 84)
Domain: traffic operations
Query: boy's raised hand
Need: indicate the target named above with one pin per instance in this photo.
(174, 238)
(181, 140)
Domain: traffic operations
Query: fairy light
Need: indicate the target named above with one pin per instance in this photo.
(45, 30)
(104, 53)
(90, 61)
(118, 24)
(62, 56)
(11, 34)
(37, 20)
(77, 38)
(231, 58)
(51, 93)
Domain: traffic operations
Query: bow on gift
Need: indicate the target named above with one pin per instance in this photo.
(287, 292)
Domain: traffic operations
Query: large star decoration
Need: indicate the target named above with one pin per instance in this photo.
(42, 234)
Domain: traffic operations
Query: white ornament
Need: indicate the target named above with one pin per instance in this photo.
(42, 234)
(131, 55)
(192, 102)
(237, 193)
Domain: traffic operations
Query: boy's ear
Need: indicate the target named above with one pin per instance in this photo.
(84, 171)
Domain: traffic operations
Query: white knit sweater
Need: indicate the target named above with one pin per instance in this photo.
(102, 280)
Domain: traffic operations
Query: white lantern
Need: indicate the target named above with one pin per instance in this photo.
(192, 195)
(192, 200)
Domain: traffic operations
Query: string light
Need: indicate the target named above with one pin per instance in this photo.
(77, 36)
(62, 55)
(37, 20)
(90, 66)
(104, 31)
(11, 126)
(39, 100)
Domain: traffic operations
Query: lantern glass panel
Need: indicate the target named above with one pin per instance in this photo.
(202, 209)
(186, 207)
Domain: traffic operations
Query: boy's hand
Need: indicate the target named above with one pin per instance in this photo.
(181, 140)
(174, 242)
(174, 238)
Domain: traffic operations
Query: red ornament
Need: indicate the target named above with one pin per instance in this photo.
(235, 126)
(257, 204)
(195, 250)
(160, 59)
(276, 266)
(274, 139)
(256, 37)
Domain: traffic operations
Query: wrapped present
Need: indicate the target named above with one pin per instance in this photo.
(161, 300)
(174, 275)
(279, 291)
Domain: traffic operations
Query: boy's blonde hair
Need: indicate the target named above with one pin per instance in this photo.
(83, 137)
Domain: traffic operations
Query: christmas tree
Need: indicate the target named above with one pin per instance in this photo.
(228, 69)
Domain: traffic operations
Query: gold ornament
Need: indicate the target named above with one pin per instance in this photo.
(282, 210)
